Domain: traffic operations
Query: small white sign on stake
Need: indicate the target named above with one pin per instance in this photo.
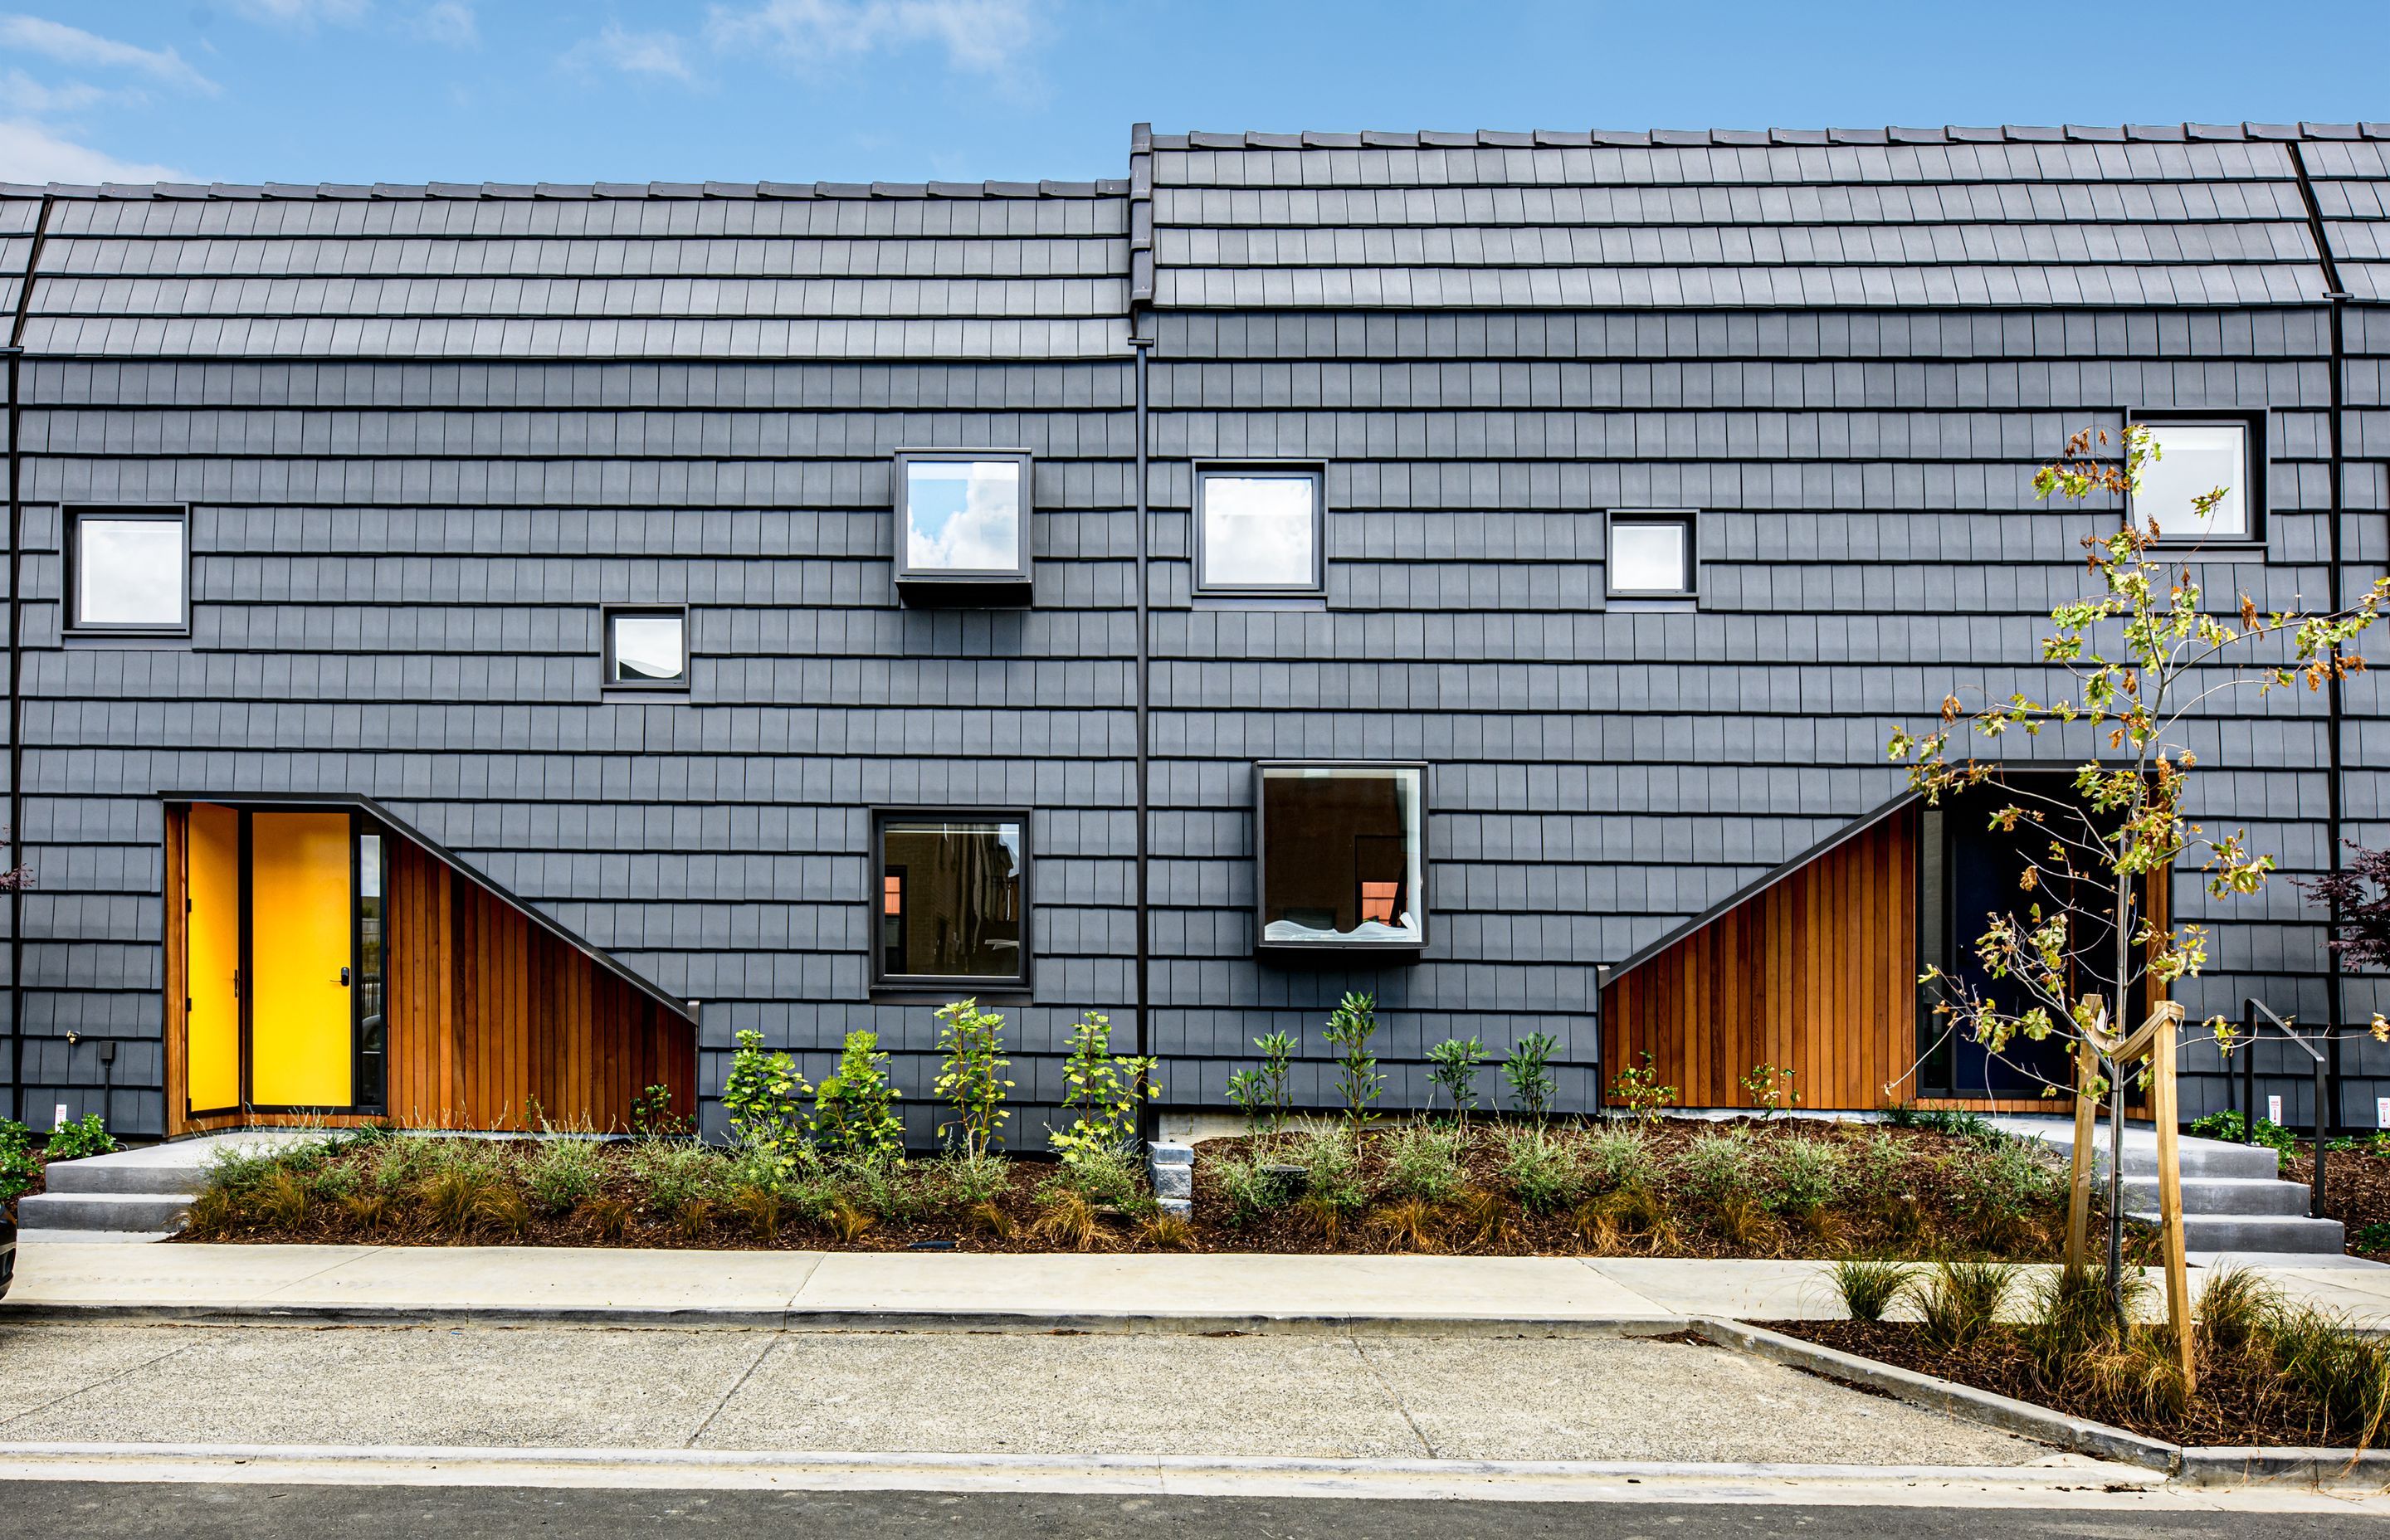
(2274, 1111)
(2382, 1112)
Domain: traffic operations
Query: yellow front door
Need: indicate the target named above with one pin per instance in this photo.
(212, 959)
(300, 914)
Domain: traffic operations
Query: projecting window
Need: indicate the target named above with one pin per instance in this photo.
(962, 521)
(951, 905)
(1343, 856)
(1259, 531)
(128, 570)
(1652, 556)
(2194, 459)
(647, 647)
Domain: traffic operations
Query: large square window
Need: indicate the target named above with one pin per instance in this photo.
(1652, 556)
(1342, 855)
(1259, 531)
(950, 902)
(128, 569)
(2192, 460)
(962, 520)
(647, 647)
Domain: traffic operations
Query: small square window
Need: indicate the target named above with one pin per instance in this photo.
(128, 569)
(1259, 531)
(962, 520)
(1342, 854)
(952, 901)
(646, 648)
(1652, 556)
(2192, 460)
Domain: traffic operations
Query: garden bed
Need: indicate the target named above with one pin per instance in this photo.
(2357, 1190)
(2243, 1398)
(1746, 1189)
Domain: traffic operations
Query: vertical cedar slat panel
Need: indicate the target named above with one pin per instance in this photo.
(1813, 974)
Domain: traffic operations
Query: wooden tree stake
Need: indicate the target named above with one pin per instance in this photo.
(2079, 1204)
(2164, 1112)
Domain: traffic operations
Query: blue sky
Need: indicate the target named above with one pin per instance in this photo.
(906, 90)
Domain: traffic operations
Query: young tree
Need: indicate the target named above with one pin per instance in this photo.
(2141, 656)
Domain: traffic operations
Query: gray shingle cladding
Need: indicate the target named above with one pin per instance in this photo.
(425, 432)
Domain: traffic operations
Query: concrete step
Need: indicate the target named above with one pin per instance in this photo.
(148, 1211)
(2223, 1195)
(2227, 1232)
(143, 1173)
(2199, 1157)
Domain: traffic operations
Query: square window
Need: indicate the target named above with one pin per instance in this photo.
(1343, 856)
(952, 904)
(2192, 460)
(962, 518)
(128, 570)
(1259, 531)
(646, 649)
(1652, 556)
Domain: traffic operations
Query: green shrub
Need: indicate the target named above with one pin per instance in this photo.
(1528, 1073)
(1872, 1167)
(19, 1168)
(1105, 1175)
(2003, 1183)
(1349, 1027)
(79, 1140)
(2229, 1126)
(1955, 1122)
(1422, 1162)
(1452, 1069)
(1868, 1288)
(764, 1097)
(1262, 1092)
(855, 1112)
(1618, 1157)
(1102, 1091)
(970, 1077)
(1330, 1159)
(562, 1174)
(1252, 1191)
(1543, 1172)
(956, 1183)
(1957, 1302)
(675, 1177)
(2374, 1238)
(1715, 1167)
(1803, 1175)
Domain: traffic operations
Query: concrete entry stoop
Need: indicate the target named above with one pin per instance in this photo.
(135, 1194)
(2233, 1197)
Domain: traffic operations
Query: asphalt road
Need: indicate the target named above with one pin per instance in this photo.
(62, 1508)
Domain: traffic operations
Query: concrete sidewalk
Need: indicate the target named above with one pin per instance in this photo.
(886, 1290)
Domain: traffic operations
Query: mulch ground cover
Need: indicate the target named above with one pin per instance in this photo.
(2242, 1401)
(2356, 1192)
(1921, 1203)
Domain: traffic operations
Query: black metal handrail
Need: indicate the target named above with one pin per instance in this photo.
(2255, 1014)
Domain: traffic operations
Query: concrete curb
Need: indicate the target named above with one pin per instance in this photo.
(1579, 1481)
(1090, 1323)
(2075, 1434)
(2190, 1465)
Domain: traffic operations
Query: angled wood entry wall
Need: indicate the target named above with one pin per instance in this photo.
(494, 1023)
(1816, 973)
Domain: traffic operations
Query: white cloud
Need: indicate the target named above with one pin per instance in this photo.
(26, 95)
(304, 13)
(73, 46)
(980, 532)
(633, 53)
(981, 35)
(450, 23)
(30, 152)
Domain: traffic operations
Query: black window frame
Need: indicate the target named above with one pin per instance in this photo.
(2255, 458)
(607, 615)
(979, 984)
(947, 584)
(1689, 519)
(70, 549)
(1314, 470)
(1421, 907)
